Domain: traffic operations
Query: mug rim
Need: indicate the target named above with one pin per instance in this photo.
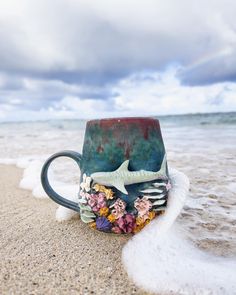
(122, 119)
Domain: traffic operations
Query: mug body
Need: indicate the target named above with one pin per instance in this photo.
(124, 174)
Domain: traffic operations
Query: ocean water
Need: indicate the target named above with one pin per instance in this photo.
(201, 146)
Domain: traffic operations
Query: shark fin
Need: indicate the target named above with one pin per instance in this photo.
(120, 186)
(124, 166)
(163, 166)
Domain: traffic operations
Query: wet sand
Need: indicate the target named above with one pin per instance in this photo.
(39, 255)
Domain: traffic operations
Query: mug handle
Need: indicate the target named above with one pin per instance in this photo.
(46, 185)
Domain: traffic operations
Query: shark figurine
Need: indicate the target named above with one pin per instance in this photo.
(122, 176)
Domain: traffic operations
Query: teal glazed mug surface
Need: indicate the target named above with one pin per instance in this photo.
(124, 180)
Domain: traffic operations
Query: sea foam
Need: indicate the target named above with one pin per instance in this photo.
(160, 259)
(30, 180)
(160, 256)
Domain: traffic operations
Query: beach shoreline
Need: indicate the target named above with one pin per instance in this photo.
(28, 217)
(42, 256)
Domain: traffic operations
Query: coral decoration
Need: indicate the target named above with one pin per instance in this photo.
(104, 211)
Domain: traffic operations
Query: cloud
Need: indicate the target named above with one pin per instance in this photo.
(102, 41)
(116, 58)
(164, 94)
(140, 94)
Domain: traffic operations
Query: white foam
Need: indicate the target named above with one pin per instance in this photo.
(62, 213)
(32, 166)
(161, 260)
(8, 161)
(31, 181)
(232, 187)
(31, 177)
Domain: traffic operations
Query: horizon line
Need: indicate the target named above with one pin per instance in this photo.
(83, 119)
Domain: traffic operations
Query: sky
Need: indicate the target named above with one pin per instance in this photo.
(92, 59)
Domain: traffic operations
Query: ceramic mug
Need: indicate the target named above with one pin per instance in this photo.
(124, 176)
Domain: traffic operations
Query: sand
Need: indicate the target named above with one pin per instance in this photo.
(39, 255)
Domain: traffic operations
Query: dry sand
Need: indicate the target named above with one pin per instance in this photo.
(38, 255)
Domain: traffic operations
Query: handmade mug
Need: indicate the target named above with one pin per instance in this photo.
(124, 176)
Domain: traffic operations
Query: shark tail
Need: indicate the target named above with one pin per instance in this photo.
(162, 170)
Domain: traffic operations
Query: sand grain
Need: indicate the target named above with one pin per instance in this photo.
(38, 255)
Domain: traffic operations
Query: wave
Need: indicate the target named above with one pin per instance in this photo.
(199, 119)
(224, 118)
